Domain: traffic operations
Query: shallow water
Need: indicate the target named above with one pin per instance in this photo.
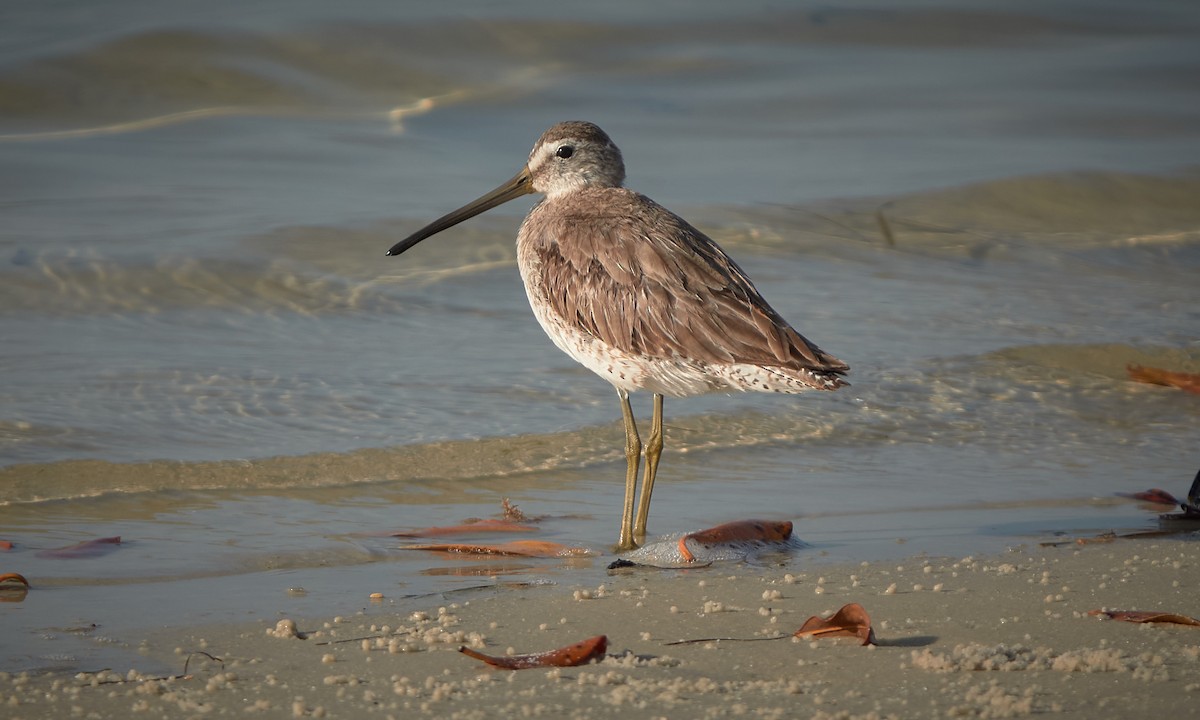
(206, 352)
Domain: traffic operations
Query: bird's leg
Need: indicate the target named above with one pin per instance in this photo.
(654, 446)
(633, 457)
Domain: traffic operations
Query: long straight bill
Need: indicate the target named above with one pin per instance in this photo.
(520, 184)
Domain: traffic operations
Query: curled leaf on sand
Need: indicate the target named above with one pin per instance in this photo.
(1146, 616)
(1182, 521)
(522, 548)
(13, 579)
(739, 540)
(1153, 495)
(738, 531)
(1157, 376)
(849, 621)
(580, 653)
(85, 549)
(472, 528)
(13, 588)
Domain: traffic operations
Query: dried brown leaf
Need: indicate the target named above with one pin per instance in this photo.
(735, 532)
(1157, 376)
(1146, 616)
(1153, 495)
(85, 549)
(580, 653)
(14, 578)
(850, 620)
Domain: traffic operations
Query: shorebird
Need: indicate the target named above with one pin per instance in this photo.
(638, 296)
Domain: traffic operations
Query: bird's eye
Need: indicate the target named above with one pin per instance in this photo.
(565, 152)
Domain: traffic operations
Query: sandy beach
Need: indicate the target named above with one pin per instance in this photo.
(227, 417)
(1001, 636)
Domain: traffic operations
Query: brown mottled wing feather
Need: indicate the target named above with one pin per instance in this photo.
(641, 279)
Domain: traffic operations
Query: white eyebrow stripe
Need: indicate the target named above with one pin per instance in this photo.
(546, 151)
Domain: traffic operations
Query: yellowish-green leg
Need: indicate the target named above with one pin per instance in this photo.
(654, 446)
(633, 457)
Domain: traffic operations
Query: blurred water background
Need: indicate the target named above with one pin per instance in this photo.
(205, 351)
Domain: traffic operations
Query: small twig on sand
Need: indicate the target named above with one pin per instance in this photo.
(725, 639)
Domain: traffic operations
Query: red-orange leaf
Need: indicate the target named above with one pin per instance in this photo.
(1157, 376)
(5, 545)
(13, 578)
(1153, 495)
(85, 549)
(736, 531)
(851, 620)
(580, 653)
(523, 548)
(1146, 616)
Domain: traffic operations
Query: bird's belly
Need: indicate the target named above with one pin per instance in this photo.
(624, 370)
(627, 371)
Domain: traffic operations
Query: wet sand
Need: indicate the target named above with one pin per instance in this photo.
(989, 637)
